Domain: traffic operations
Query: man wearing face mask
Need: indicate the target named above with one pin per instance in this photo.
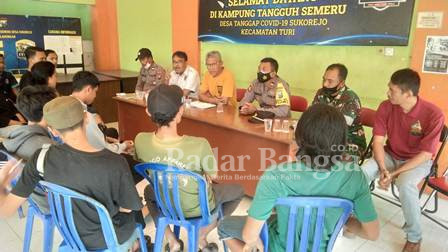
(151, 74)
(335, 93)
(270, 91)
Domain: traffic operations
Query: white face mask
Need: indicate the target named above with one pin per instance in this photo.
(148, 65)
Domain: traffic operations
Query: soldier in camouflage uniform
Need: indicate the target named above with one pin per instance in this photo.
(335, 93)
(151, 74)
(271, 92)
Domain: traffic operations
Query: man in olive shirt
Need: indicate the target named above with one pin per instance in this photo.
(191, 153)
(323, 126)
(151, 74)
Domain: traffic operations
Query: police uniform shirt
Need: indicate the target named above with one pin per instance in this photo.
(189, 80)
(273, 95)
(150, 77)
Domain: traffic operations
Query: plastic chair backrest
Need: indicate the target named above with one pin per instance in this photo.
(60, 200)
(240, 94)
(309, 204)
(165, 181)
(368, 117)
(443, 139)
(298, 103)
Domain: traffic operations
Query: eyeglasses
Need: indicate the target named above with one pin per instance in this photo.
(213, 65)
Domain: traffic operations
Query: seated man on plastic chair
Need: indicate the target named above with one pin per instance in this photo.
(321, 125)
(99, 174)
(26, 140)
(413, 127)
(165, 108)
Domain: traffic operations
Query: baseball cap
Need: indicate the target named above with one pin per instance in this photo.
(143, 53)
(63, 112)
(165, 99)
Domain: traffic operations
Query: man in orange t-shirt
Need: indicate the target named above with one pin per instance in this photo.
(218, 85)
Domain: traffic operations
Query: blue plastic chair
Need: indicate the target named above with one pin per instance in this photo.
(33, 210)
(310, 205)
(165, 180)
(60, 200)
(264, 236)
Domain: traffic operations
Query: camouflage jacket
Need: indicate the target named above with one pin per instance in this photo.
(348, 103)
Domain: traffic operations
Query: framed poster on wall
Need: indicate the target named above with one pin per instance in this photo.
(436, 55)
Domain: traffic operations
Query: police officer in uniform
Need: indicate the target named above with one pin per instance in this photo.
(271, 92)
(151, 74)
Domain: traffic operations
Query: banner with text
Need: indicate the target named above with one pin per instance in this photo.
(17, 32)
(307, 22)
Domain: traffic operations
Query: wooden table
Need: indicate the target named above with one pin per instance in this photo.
(243, 149)
(128, 79)
(109, 87)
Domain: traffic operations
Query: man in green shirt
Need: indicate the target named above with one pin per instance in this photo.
(321, 125)
(166, 146)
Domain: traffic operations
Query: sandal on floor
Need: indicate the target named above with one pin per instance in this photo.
(149, 245)
(211, 247)
(181, 249)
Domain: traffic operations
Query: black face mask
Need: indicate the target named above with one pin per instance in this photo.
(263, 77)
(330, 91)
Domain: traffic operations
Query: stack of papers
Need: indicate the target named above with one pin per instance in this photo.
(202, 105)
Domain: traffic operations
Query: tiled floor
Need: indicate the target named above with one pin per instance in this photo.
(391, 236)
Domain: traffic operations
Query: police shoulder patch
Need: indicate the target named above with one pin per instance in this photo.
(281, 95)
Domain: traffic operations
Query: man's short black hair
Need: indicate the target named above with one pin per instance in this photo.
(83, 79)
(32, 99)
(32, 50)
(342, 70)
(274, 63)
(406, 79)
(49, 51)
(41, 72)
(321, 136)
(180, 54)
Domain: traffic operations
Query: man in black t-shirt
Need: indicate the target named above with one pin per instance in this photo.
(99, 174)
(33, 55)
(8, 113)
(8, 82)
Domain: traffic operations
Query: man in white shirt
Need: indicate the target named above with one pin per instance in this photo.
(184, 76)
(85, 85)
